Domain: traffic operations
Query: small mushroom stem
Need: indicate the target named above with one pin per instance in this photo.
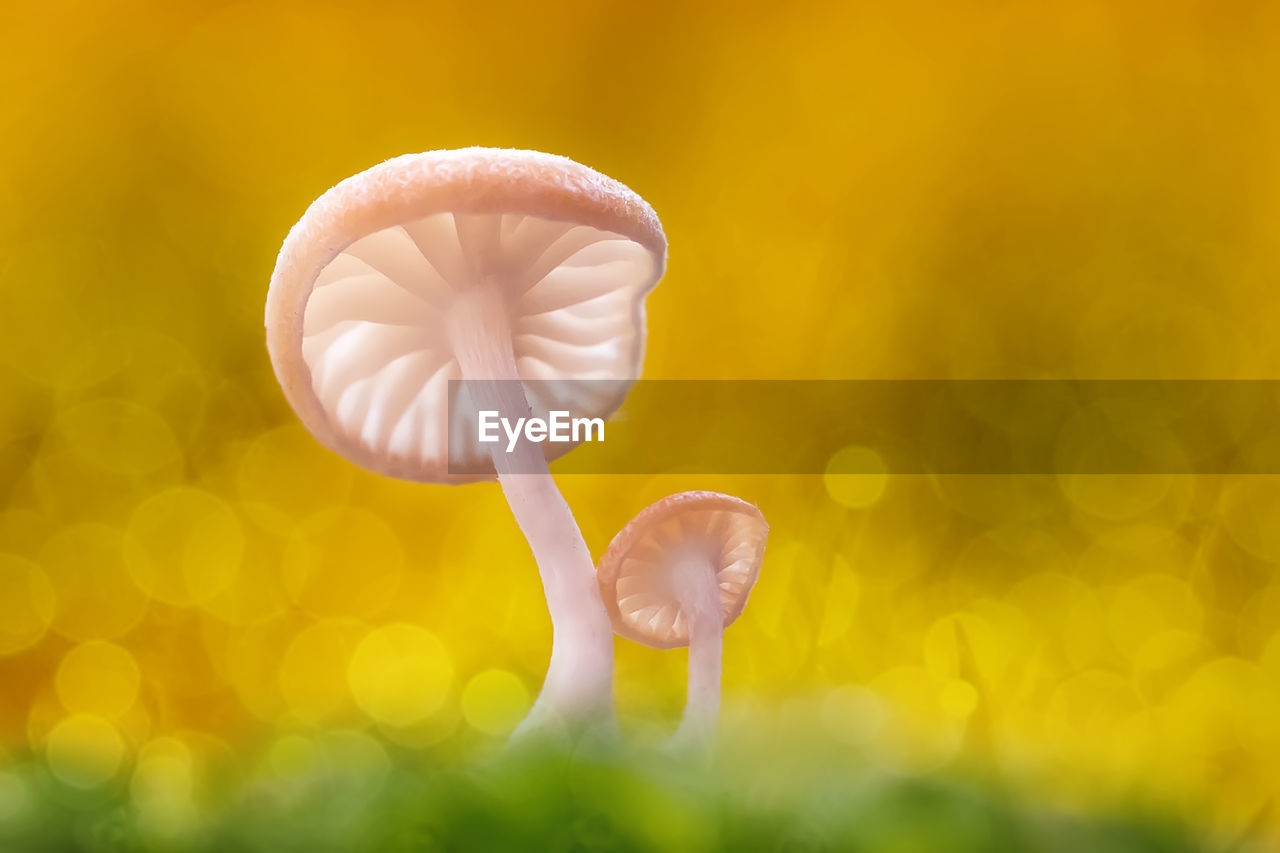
(698, 592)
(578, 688)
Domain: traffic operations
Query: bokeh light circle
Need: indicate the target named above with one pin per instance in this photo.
(313, 671)
(257, 592)
(852, 713)
(143, 366)
(357, 755)
(1250, 511)
(1149, 605)
(27, 603)
(120, 436)
(293, 756)
(24, 530)
(97, 599)
(84, 751)
(958, 698)
(343, 562)
(494, 701)
(400, 674)
(98, 677)
(184, 546)
(15, 796)
(286, 475)
(162, 788)
(855, 477)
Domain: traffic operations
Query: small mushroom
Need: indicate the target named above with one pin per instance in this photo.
(677, 575)
(478, 264)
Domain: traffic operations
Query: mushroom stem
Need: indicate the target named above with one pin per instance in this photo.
(699, 597)
(578, 687)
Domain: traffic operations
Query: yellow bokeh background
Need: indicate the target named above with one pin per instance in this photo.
(875, 190)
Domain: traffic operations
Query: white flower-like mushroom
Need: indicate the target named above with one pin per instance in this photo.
(677, 575)
(476, 264)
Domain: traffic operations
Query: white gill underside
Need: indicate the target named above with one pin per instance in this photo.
(730, 543)
(376, 326)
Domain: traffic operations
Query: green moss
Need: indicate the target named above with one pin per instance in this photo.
(586, 802)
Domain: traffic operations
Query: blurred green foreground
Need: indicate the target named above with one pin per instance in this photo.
(329, 793)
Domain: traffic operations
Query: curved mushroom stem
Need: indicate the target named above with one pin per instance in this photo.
(698, 592)
(578, 689)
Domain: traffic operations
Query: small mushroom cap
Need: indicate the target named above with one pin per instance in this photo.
(635, 572)
(358, 312)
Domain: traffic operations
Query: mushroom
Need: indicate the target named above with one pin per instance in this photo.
(677, 575)
(478, 264)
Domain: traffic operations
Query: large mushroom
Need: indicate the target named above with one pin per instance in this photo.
(477, 264)
(678, 575)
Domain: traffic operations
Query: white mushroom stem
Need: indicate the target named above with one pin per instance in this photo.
(579, 683)
(698, 591)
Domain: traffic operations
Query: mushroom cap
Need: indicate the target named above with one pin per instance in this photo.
(634, 572)
(358, 309)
